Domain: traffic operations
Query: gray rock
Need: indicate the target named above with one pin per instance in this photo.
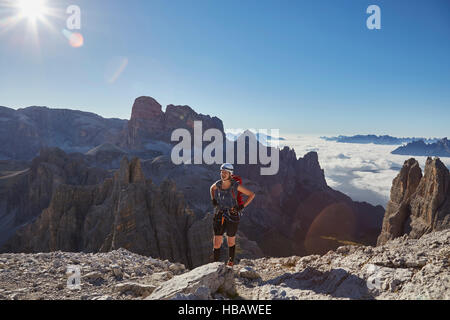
(136, 289)
(249, 273)
(161, 276)
(117, 271)
(214, 276)
(103, 297)
(177, 268)
(94, 275)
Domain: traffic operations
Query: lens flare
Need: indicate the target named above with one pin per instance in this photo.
(76, 39)
(332, 227)
(114, 68)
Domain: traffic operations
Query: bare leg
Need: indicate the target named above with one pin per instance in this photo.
(218, 242)
(231, 241)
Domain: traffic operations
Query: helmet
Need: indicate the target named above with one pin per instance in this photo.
(228, 167)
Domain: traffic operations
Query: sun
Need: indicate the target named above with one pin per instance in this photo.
(32, 9)
(31, 16)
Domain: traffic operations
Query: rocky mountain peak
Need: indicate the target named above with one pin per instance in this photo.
(146, 108)
(288, 154)
(149, 122)
(418, 204)
(406, 181)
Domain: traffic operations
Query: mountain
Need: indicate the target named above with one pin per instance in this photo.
(441, 148)
(25, 193)
(300, 222)
(125, 211)
(419, 204)
(401, 269)
(261, 137)
(24, 132)
(371, 138)
(294, 211)
(148, 122)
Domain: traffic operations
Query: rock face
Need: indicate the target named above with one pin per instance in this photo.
(148, 122)
(124, 211)
(401, 269)
(24, 132)
(106, 156)
(25, 193)
(418, 204)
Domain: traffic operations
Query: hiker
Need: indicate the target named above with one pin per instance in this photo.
(228, 206)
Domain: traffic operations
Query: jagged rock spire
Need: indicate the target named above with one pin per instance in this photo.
(418, 204)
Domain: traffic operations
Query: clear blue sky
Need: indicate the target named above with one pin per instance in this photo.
(307, 67)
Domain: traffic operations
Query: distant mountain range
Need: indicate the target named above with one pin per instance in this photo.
(261, 137)
(441, 148)
(371, 138)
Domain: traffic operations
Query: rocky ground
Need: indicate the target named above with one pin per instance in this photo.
(118, 274)
(403, 268)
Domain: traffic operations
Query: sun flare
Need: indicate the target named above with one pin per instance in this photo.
(32, 9)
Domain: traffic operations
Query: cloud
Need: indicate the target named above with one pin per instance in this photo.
(362, 171)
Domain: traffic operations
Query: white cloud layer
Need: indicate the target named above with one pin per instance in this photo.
(362, 171)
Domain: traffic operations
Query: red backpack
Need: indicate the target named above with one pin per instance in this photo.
(238, 198)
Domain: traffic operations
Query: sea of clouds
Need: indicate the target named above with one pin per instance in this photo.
(362, 171)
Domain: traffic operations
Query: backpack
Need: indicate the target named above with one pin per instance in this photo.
(238, 197)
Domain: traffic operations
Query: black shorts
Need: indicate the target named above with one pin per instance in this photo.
(224, 225)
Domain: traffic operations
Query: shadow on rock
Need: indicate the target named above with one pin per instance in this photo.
(337, 283)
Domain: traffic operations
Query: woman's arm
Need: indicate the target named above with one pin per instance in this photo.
(212, 190)
(250, 195)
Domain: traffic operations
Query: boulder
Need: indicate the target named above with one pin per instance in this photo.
(213, 276)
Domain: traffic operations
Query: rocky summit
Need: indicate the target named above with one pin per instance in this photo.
(148, 121)
(419, 203)
(403, 268)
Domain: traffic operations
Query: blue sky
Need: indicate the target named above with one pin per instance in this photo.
(307, 67)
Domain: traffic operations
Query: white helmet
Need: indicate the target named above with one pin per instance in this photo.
(228, 167)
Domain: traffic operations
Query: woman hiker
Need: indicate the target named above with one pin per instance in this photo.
(228, 207)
